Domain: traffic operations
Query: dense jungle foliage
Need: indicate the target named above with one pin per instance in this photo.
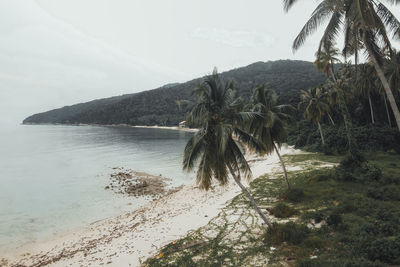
(373, 124)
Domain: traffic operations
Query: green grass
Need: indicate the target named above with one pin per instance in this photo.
(339, 222)
(313, 157)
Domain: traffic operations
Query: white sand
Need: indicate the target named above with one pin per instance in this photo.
(128, 239)
(168, 128)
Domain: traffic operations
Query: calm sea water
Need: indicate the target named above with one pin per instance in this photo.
(52, 178)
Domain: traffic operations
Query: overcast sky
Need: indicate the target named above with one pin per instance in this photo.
(60, 52)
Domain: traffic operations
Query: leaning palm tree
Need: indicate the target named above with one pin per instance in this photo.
(270, 129)
(316, 106)
(392, 71)
(214, 146)
(365, 22)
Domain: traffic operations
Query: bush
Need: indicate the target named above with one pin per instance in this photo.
(318, 216)
(281, 210)
(370, 172)
(383, 249)
(312, 263)
(294, 195)
(334, 219)
(388, 229)
(315, 242)
(389, 192)
(356, 168)
(291, 232)
(356, 262)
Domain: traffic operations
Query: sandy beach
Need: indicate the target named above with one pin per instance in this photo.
(128, 239)
(193, 130)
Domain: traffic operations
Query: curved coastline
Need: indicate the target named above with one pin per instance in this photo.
(176, 128)
(130, 238)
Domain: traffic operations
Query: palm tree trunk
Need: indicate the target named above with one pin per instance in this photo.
(322, 135)
(385, 84)
(252, 201)
(283, 166)
(333, 73)
(330, 118)
(346, 117)
(370, 107)
(387, 111)
(347, 122)
(356, 60)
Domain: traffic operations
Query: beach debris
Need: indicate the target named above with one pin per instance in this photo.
(135, 183)
(159, 256)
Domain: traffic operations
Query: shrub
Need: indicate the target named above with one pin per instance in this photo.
(388, 228)
(294, 195)
(370, 172)
(315, 242)
(318, 216)
(356, 168)
(334, 219)
(383, 249)
(281, 210)
(389, 192)
(290, 232)
(357, 262)
(312, 263)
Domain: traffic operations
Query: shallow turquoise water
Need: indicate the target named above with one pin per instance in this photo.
(52, 178)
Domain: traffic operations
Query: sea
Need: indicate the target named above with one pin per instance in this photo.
(53, 177)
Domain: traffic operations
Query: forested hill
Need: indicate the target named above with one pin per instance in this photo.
(169, 104)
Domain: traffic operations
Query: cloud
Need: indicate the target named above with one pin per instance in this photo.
(46, 63)
(234, 38)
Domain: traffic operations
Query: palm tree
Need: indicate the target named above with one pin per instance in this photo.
(363, 21)
(217, 111)
(316, 106)
(332, 98)
(270, 130)
(365, 85)
(326, 57)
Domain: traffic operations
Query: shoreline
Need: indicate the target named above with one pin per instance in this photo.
(130, 238)
(175, 128)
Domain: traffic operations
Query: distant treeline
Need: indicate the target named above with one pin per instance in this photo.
(171, 103)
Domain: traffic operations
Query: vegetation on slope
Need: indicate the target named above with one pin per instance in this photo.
(160, 107)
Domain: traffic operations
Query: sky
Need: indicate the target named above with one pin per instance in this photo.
(61, 52)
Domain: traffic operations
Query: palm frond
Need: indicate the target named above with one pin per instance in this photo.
(237, 154)
(287, 4)
(389, 20)
(204, 172)
(194, 149)
(332, 30)
(320, 14)
(252, 142)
